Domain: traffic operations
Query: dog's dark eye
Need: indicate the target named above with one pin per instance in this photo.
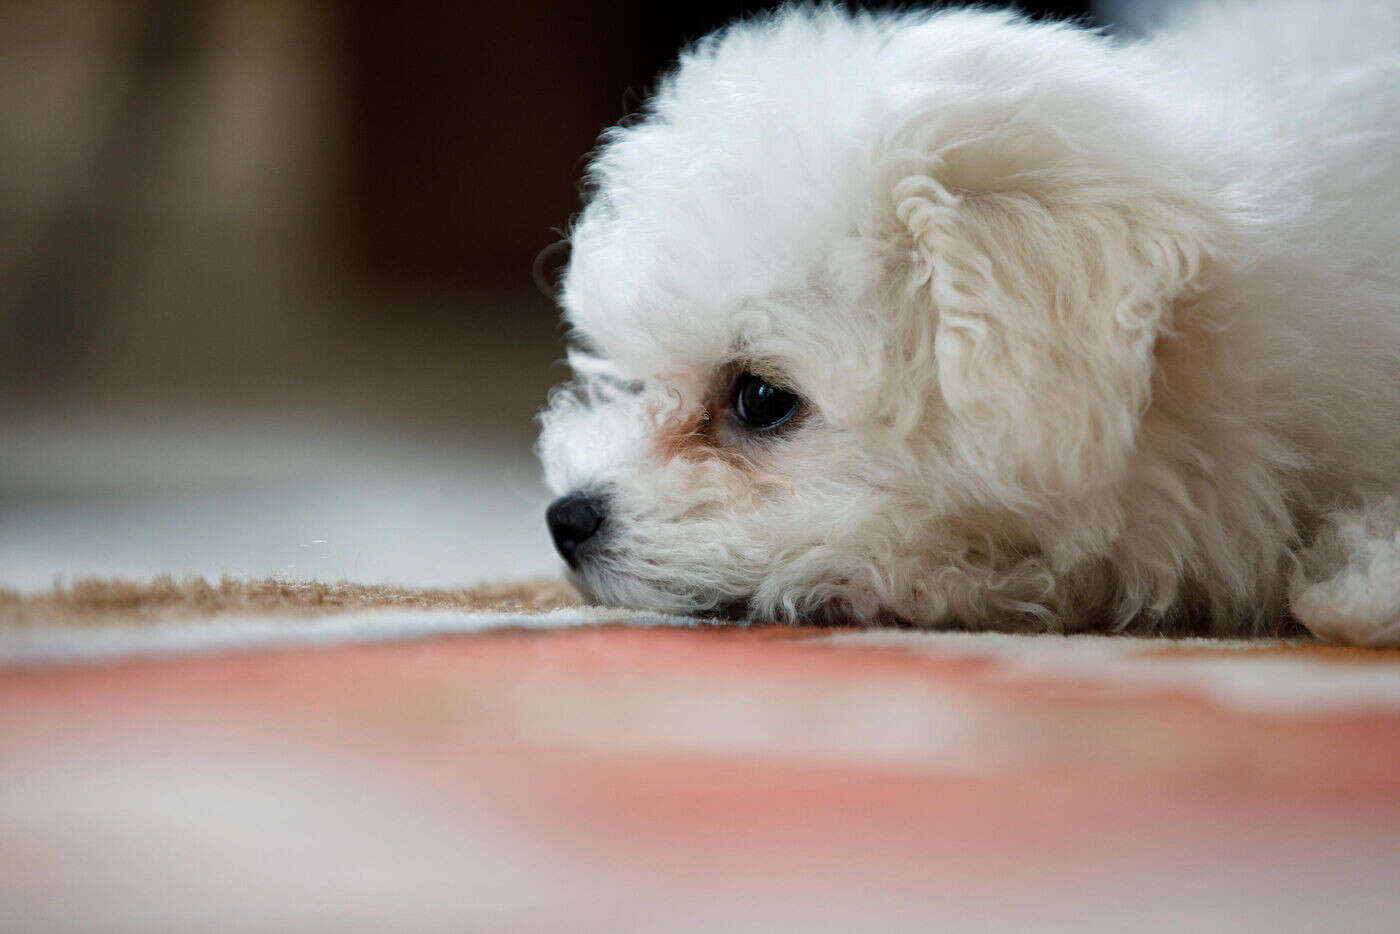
(761, 405)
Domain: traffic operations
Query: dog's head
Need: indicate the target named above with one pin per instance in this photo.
(865, 311)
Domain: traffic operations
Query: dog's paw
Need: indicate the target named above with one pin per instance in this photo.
(1347, 587)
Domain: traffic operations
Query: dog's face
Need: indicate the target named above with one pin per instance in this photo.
(865, 313)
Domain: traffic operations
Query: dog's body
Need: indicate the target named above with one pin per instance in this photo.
(1078, 333)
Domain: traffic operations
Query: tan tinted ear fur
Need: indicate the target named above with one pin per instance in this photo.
(1050, 288)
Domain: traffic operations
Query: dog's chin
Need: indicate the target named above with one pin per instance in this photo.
(606, 586)
(580, 581)
(601, 585)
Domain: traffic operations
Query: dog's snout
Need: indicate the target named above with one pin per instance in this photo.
(572, 521)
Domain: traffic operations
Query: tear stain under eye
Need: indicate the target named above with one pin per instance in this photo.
(689, 436)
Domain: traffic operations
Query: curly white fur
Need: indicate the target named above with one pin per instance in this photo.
(1090, 333)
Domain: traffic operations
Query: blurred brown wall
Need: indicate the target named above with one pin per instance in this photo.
(469, 122)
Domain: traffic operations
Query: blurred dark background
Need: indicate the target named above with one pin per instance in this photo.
(267, 299)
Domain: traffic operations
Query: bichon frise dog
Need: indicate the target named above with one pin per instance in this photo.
(959, 319)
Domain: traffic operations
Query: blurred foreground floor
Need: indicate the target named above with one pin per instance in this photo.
(712, 779)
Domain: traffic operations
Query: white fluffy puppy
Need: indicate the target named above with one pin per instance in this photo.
(958, 319)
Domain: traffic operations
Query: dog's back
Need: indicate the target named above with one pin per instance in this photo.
(1322, 80)
(1297, 104)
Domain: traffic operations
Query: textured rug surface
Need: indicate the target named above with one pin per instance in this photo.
(281, 757)
(97, 600)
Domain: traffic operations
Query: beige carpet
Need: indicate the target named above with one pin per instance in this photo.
(170, 599)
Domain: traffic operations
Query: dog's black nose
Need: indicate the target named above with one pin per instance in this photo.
(572, 521)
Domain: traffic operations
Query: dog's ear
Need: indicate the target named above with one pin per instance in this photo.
(1050, 281)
